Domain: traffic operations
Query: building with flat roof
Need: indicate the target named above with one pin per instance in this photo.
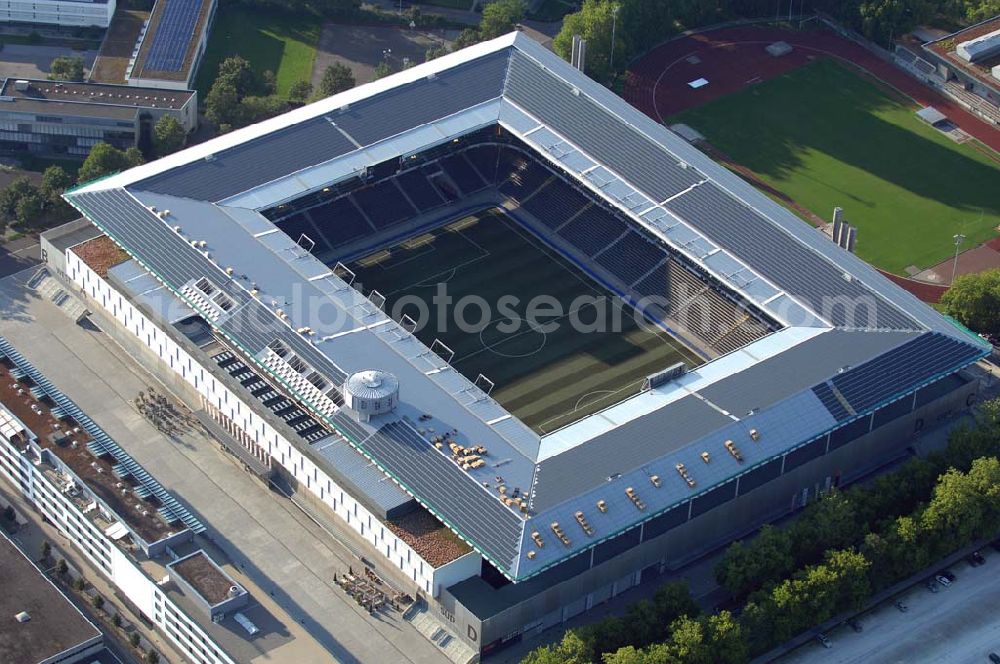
(971, 58)
(794, 367)
(41, 624)
(117, 515)
(57, 118)
(74, 13)
(172, 44)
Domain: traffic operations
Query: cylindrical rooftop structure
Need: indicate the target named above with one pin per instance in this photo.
(371, 392)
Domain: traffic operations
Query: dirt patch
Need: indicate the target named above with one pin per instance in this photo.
(112, 61)
(204, 577)
(101, 254)
(428, 537)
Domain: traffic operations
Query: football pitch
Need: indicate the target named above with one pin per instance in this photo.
(557, 345)
(825, 136)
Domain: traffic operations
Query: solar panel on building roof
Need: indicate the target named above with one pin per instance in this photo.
(172, 35)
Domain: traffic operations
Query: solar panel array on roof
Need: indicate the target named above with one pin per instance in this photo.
(173, 34)
(926, 357)
(631, 154)
(397, 110)
(439, 482)
(830, 400)
(785, 261)
(252, 163)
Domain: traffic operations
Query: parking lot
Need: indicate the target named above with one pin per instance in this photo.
(959, 623)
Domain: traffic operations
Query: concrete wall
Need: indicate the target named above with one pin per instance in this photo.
(686, 542)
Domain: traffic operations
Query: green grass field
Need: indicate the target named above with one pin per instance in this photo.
(547, 378)
(825, 136)
(280, 43)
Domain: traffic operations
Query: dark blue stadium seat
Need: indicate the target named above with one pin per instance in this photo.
(484, 159)
(339, 221)
(414, 183)
(656, 284)
(631, 257)
(593, 230)
(554, 203)
(462, 173)
(384, 204)
(523, 178)
(297, 224)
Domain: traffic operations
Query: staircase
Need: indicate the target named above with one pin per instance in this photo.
(50, 289)
(450, 646)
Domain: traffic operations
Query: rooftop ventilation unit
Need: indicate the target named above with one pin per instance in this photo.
(370, 393)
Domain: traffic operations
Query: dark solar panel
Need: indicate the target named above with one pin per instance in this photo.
(902, 368)
(444, 486)
(253, 163)
(829, 399)
(790, 264)
(173, 34)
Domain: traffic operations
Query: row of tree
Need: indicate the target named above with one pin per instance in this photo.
(839, 552)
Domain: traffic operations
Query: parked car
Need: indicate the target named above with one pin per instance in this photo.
(825, 641)
(948, 574)
(995, 544)
(995, 658)
(932, 585)
(976, 559)
(856, 625)
(902, 607)
(943, 580)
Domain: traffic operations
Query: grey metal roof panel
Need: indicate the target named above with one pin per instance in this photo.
(790, 264)
(402, 108)
(360, 472)
(147, 290)
(799, 368)
(252, 163)
(442, 486)
(623, 449)
(595, 130)
(922, 359)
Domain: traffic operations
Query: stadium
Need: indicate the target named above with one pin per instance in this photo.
(278, 272)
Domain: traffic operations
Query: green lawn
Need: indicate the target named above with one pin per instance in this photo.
(825, 136)
(283, 44)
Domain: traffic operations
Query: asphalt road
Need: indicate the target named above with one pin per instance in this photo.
(18, 255)
(957, 624)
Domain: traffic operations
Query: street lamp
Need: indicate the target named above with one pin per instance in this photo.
(959, 239)
(614, 25)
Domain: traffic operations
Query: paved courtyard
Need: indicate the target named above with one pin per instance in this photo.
(362, 48)
(272, 543)
(24, 61)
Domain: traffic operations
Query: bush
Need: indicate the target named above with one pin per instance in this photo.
(97, 602)
(134, 639)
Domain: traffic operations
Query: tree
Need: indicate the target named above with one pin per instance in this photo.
(268, 82)
(500, 17)
(747, 566)
(594, 23)
(134, 639)
(62, 567)
(382, 70)
(237, 72)
(152, 657)
(66, 68)
(105, 159)
(80, 583)
(336, 78)
(29, 209)
(97, 601)
(116, 620)
(55, 180)
(20, 202)
(725, 639)
(255, 109)
(974, 299)
(300, 92)
(8, 513)
(46, 549)
(222, 103)
(168, 135)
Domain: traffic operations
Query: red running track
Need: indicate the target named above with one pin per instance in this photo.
(733, 58)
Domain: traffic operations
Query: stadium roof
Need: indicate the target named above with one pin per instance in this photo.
(822, 370)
